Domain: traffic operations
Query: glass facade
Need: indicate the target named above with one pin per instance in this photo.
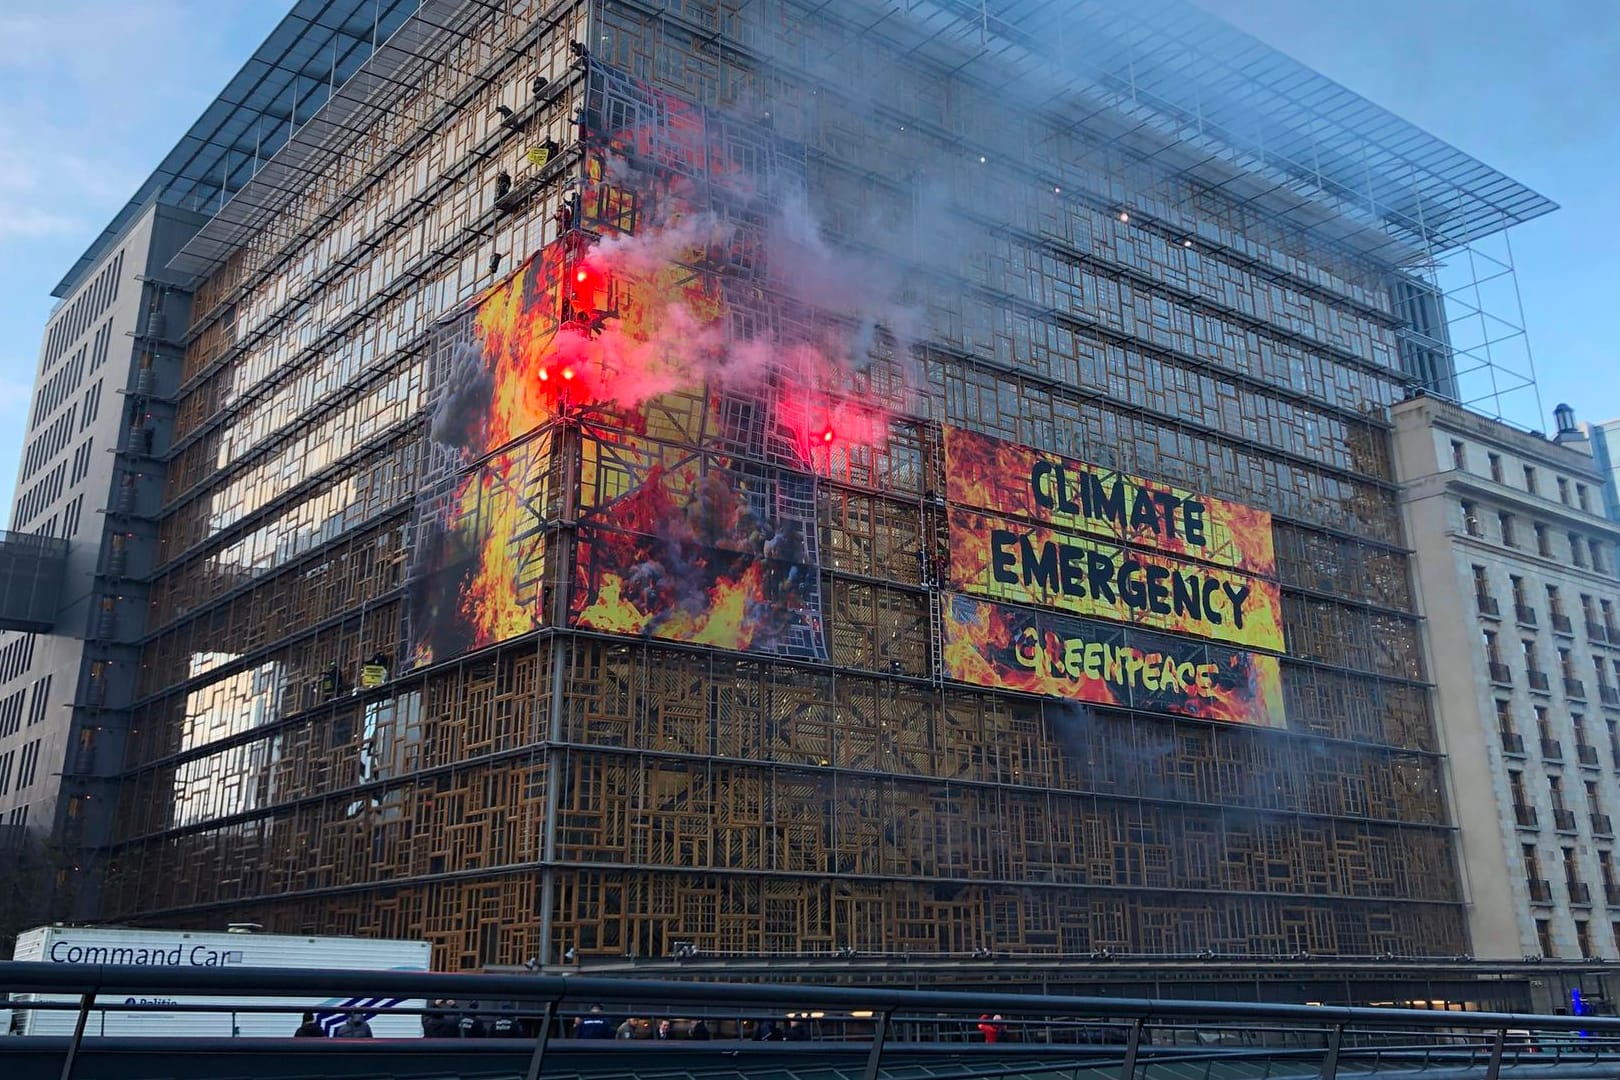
(386, 688)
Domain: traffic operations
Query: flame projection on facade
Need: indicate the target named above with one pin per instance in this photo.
(479, 563)
(607, 344)
(697, 547)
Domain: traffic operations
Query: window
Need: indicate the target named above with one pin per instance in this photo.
(1504, 716)
(1583, 937)
(1459, 455)
(1582, 498)
(1532, 862)
(1496, 467)
(1493, 651)
(1577, 551)
(1530, 663)
(1471, 519)
(1522, 611)
(1530, 479)
(1608, 616)
(1482, 594)
(1555, 791)
(1505, 522)
(1600, 561)
(1544, 937)
(1543, 541)
(1594, 801)
(28, 765)
(1516, 785)
(1566, 666)
(1563, 490)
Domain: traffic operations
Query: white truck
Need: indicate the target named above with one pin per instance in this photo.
(235, 948)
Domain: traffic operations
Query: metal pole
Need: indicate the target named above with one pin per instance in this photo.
(1127, 1071)
(539, 1055)
(1330, 1064)
(1494, 1068)
(87, 999)
(879, 1035)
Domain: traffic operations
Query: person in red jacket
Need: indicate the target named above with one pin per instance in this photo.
(992, 1028)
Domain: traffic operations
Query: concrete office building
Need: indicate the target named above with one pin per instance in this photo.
(105, 372)
(767, 479)
(1516, 572)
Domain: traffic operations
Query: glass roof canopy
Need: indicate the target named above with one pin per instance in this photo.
(318, 47)
(1177, 84)
(1283, 134)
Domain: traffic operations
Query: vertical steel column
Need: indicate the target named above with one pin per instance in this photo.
(566, 444)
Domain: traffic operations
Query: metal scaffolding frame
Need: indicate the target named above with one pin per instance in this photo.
(1197, 98)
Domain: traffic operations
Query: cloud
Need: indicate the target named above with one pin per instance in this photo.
(33, 221)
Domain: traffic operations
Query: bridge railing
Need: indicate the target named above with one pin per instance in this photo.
(1130, 1038)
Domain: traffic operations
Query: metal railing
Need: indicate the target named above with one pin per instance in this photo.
(862, 1027)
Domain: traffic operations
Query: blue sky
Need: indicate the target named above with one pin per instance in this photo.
(94, 92)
